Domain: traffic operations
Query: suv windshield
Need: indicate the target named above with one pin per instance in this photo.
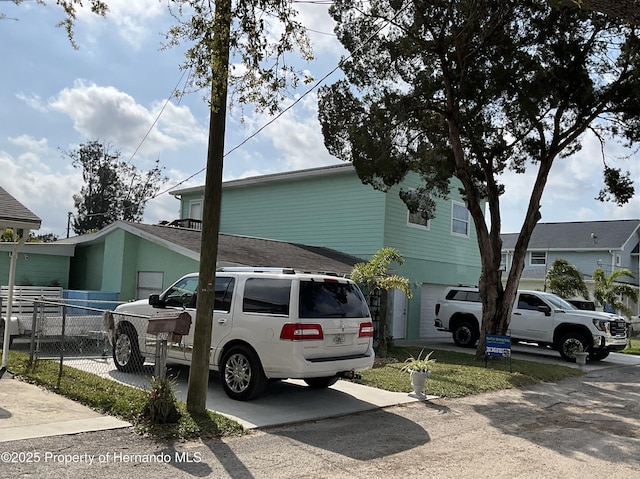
(331, 299)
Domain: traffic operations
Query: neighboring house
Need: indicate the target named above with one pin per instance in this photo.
(36, 264)
(19, 218)
(135, 260)
(330, 207)
(588, 245)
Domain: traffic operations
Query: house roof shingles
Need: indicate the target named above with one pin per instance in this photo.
(258, 252)
(583, 235)
(15, 214)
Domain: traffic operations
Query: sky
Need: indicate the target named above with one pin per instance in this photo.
(117, 88)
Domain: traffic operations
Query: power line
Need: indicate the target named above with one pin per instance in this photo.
(157, 116)
(299, 99)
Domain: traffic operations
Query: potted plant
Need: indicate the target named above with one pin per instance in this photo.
(419, 370)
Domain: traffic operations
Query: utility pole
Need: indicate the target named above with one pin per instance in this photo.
(199, 371)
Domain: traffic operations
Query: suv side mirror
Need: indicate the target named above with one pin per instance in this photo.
(154, 300)
(543, 308)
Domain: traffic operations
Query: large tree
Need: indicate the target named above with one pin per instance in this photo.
(627, 10)
(113, 189)
(470, 89)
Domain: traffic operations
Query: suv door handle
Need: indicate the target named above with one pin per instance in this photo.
(517, 314)
(222, 320)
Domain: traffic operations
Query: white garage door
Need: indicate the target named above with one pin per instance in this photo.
(430, 294)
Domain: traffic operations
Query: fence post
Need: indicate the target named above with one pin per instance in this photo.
(62, 344)
(32, 344)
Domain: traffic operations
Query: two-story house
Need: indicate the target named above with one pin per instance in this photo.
(588, 245)
(332, 208)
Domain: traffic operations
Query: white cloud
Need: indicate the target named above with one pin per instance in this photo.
(133, 21)
(571, 189)
(320, 25)
(34, 101)
(114, 116)
(296, 137)
(47, 192)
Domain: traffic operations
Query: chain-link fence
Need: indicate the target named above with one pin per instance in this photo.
(77, 336)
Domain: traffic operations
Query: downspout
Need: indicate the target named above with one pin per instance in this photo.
(12, 276)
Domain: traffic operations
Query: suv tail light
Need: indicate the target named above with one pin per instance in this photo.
(437, 308)
(301, 332)
(366, 330)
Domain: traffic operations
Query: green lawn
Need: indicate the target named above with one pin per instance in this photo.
(459, 374)
(634, 348)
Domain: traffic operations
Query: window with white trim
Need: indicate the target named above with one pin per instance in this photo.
(459, 219)
(416, 220)
(503, 262)
(538, 258)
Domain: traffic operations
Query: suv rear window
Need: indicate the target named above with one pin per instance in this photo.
(329, 299)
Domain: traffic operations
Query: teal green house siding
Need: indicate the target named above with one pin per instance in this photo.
(111, 262)
(308, 211)
(38, 264)
(86, 268)
(331, 207)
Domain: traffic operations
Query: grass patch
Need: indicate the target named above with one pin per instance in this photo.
(633, 347)
(115, 399)
(458, 374)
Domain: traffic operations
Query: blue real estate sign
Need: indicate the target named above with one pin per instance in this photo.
(498, 346)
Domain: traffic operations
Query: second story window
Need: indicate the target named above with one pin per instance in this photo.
(503, 261)
(422, 202)
(416, 219)
(459, 219)
(538, 258)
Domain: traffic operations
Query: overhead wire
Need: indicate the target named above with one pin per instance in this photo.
(386, 23)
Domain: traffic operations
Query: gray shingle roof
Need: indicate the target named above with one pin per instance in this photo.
(15, 214)
(611, 234)
(248, 251)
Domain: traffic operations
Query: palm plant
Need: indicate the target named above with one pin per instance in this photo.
(374, 276)
(609, 291)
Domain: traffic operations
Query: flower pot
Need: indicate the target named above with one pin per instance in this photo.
(418, 380)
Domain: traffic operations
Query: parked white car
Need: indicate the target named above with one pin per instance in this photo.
(267, 324)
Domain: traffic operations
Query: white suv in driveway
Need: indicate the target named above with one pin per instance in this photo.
(267, 324)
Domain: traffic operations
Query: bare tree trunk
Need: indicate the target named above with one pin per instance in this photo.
(199, 372)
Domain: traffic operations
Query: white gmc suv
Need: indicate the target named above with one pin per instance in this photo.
(268, 323)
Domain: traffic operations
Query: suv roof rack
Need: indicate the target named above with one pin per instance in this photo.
(255, 269)
(326, 273)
